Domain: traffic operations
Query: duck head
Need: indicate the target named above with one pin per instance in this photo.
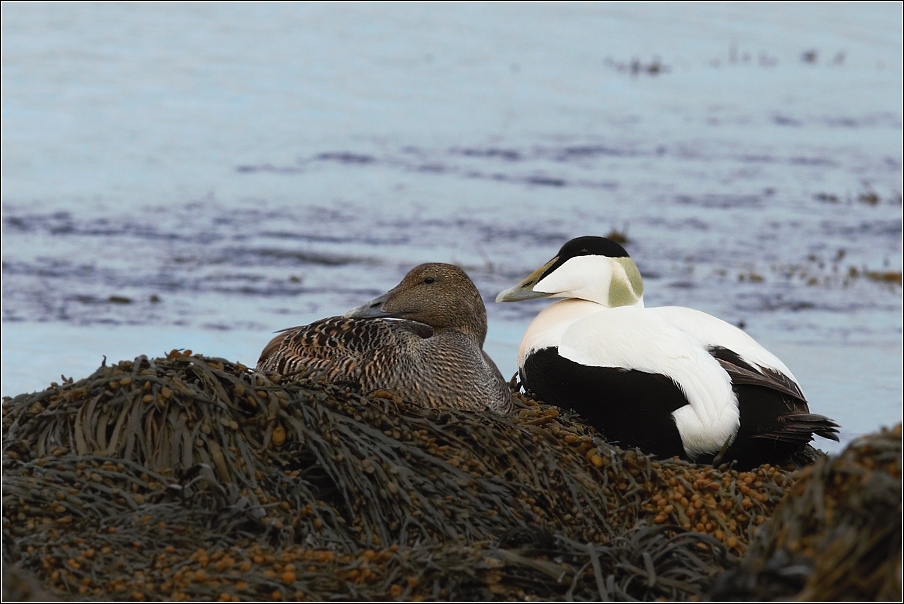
(436, 294)
(588, 268)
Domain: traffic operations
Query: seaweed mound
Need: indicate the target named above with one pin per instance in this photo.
(195, 478)
(837, 535)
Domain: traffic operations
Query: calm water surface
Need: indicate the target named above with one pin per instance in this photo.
(198, 176)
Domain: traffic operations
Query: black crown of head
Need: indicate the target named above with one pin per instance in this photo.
(592, 246)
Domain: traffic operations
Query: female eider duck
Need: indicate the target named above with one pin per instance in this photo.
(669, 380)
(423, 340)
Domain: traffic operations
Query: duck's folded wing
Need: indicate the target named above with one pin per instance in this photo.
(798, 424)
(714, 333)
(774, 380)
(338, 345)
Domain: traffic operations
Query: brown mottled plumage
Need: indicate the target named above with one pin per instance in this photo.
(423, 339)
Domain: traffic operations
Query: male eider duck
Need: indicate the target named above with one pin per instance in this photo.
(423, 340)
(672, 381)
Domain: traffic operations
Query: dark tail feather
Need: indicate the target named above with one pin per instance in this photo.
(800, 428)
(823, 426)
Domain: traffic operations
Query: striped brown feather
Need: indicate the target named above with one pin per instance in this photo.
(429, 370)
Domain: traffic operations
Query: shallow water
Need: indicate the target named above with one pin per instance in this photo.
(202, 175)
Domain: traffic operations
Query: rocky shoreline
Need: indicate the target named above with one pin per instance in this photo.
(190, 477)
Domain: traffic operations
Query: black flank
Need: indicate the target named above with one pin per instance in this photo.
(634, 408)
(629, 407)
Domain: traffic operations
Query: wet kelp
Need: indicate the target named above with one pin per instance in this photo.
(836, 537)
(193, 477)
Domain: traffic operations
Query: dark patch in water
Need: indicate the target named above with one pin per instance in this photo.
(289, 257)
(720, 201)
(757, 159)
(491, 153)
(811, 161)
(434, 168)
(216, 326)
(345, 157)
(590, 151)
(265, 290)
(695, 224)
(877, 227)
(51, 268)
(775, 302)
(590, 184)
(220, 278)
(796, 306)
(16, 223)
(300, 236)
(269, 168)
(87, 299)
(545, 181)
(636, 67)
(875, 120)
(527, 238)
(826, 197)
(843, 122)
(784, 120)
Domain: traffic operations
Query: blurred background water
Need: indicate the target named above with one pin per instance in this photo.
(201, 175)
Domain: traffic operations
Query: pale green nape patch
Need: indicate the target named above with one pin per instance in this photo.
(626, 287)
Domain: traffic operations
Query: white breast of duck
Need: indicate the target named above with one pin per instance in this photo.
(670, 380)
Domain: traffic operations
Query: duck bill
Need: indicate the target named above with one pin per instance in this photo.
(372, 309)
(525, 289)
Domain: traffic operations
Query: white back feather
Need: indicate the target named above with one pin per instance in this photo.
(711, 331)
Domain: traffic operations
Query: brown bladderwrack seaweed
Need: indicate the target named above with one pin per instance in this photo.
(193, 477)
(836, 537)
(724, 503)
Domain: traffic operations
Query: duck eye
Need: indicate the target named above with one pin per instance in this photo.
(429, 280)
